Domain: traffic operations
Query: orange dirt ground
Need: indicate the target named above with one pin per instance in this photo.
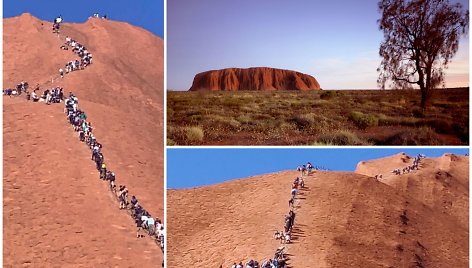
(344, 219)
(56, 210)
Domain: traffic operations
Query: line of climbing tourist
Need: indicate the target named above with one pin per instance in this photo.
(280, 258)
(143, 219)
(409, 168)
(49, 95)
(20, 87)
(74, 65)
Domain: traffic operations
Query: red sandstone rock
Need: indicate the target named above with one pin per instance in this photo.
(258, 78)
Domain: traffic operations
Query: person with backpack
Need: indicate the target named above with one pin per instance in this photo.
(103, 171)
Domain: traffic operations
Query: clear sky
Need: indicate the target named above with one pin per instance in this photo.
(197, 167)
(148, 14)
(335, 41)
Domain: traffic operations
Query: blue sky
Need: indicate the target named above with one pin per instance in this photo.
(197, 167)
(335, 41)
(148, 14)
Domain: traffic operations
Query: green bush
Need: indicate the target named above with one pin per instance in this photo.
(363, 121)
(194, 134)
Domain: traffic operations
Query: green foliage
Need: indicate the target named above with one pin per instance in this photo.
(362, 120)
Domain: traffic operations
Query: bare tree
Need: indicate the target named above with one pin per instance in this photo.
(420, 38)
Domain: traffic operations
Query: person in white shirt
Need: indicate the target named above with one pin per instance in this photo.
(144, 219)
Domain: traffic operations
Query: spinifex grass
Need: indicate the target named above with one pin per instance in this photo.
(343, 117)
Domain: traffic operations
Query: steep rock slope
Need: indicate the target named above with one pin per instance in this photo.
(121, 92)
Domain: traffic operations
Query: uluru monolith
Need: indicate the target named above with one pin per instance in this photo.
(257, 78)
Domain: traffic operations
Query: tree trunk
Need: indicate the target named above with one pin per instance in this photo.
(426, 89)
(424, 98)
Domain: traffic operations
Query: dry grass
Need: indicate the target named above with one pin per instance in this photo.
(318, 117)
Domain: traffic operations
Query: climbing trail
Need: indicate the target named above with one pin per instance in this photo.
(35, 116)
(76, 65)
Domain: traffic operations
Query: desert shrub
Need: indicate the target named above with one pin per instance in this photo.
(417, 112)
(327, 94)
(284, 126)
(222, 122)
(194, 133)
(381, 117)
(171, 142)
(233, 123)
(415, 136)
(362, 120)
(342, 137)
(303, 121)
(244, 119)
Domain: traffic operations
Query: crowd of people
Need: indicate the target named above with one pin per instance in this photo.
(20, 87)
(305, 169)
(50, 95)
(409, 168)
(53, 95)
